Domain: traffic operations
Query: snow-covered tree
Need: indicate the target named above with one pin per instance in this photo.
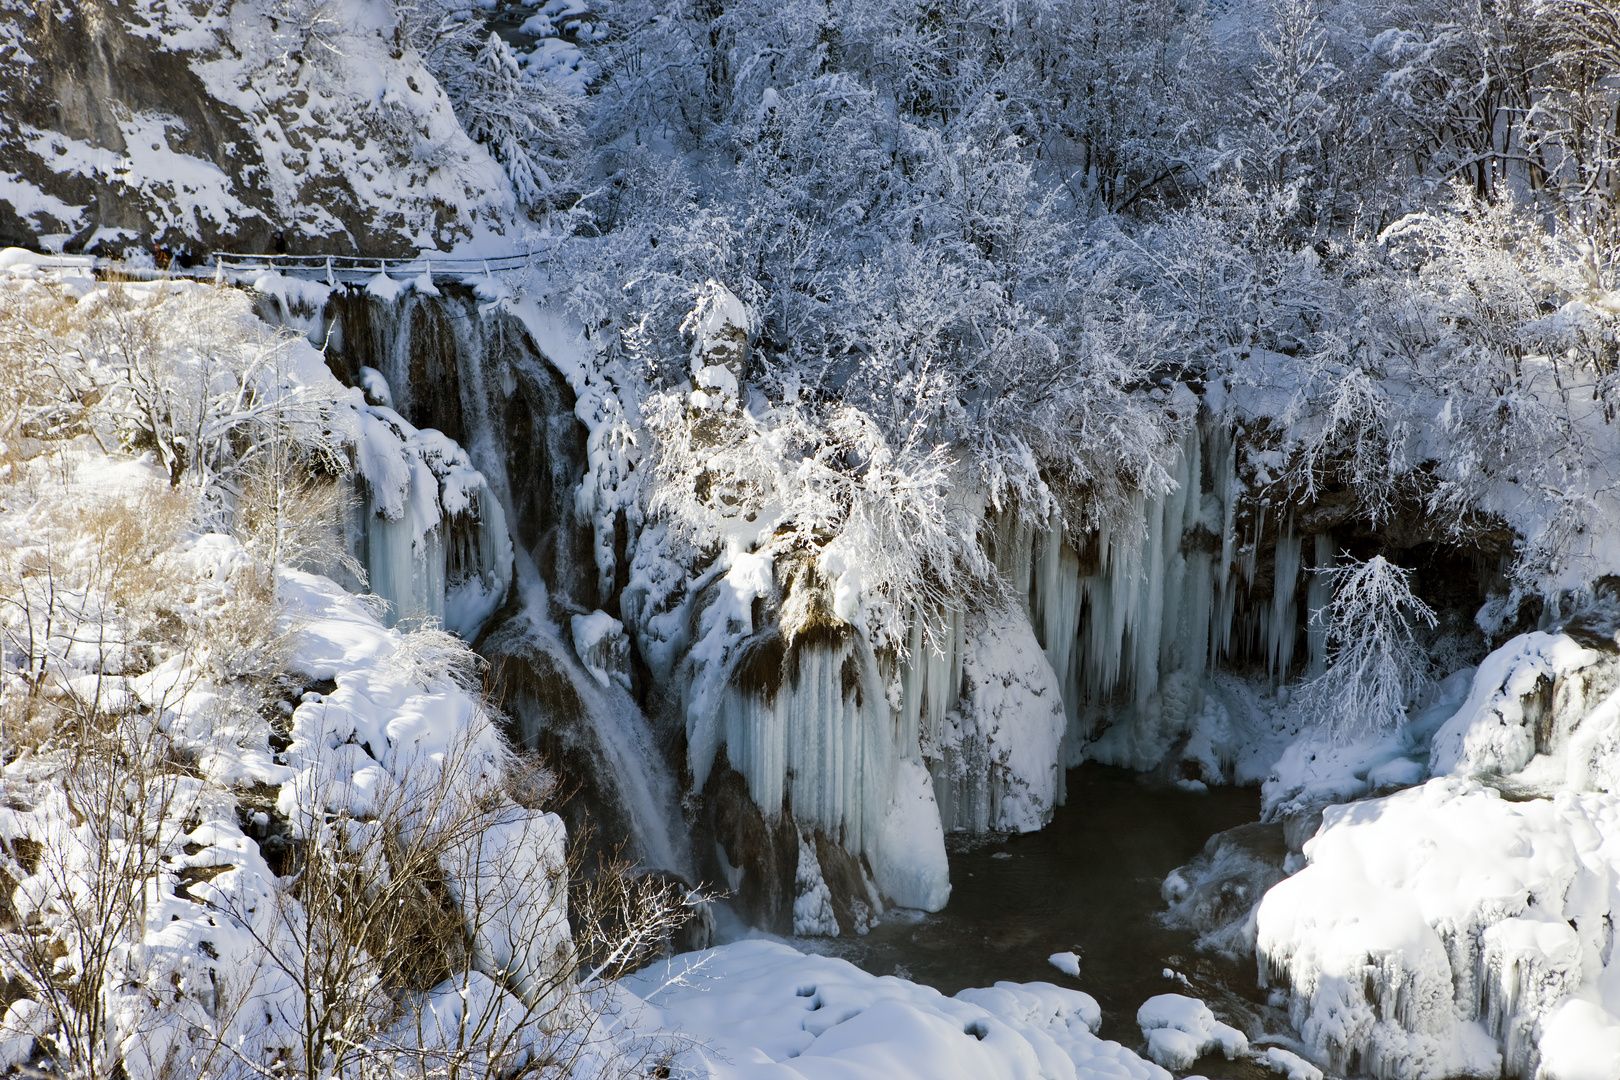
(1375, 665)
(530, 124)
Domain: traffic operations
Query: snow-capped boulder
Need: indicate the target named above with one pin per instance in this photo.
(1179, 1030)
(1542, 708)
(1446, 931)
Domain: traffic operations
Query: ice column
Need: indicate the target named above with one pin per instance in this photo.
(1318, 594)
(1280, 631)
(418, 488)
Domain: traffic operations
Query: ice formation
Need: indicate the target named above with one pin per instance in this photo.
(1216, 893)
(433, 535)
(599, 643)
(1134, 617)
(758, 1009)
(994, 752)
(812, 905)
(1446, 931)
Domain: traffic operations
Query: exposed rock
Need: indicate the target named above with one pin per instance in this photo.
(219, 126)
(752, 858)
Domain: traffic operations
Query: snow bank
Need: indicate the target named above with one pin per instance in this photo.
(761, 1009)
(1318, 769)
(1445, 931)
(400, 720)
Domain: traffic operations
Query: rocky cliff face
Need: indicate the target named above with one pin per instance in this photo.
(224, 122)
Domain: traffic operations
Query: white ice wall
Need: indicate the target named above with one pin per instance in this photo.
(419, 491)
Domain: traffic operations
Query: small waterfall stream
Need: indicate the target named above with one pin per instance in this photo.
(469, 370)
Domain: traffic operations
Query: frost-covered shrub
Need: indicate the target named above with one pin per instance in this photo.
(183, 371)
(530, 125)
(1375, 666)
(881, 514)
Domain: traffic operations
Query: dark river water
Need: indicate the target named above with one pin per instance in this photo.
(1087, 883)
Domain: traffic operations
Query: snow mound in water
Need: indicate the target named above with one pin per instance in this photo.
(1066, 962)
(1445, 931)
(1180, 1030)
(1287, 1063)
(760, 1009)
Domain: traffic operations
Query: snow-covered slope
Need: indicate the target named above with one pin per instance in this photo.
(183, 721)
(218, 126)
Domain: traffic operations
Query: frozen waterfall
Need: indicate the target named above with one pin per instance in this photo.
(470, 473)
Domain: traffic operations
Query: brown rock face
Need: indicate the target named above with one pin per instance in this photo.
(95, 68)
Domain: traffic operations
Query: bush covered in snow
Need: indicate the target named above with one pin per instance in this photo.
(1375, 667)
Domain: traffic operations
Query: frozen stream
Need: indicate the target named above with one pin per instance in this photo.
(1088, 882)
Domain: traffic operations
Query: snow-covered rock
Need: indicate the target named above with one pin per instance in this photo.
(1179, 1030)
(1287, 1064)
(1446, 931)
(1543, 709)
(998, 749)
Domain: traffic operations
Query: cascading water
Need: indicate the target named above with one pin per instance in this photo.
(499, 454)
(800, 740)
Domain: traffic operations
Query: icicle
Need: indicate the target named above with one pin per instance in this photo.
(1223, 449)
(405, 569)
(1280, 631)
(1318, 594)
(1146, 622)
(1055, 594)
